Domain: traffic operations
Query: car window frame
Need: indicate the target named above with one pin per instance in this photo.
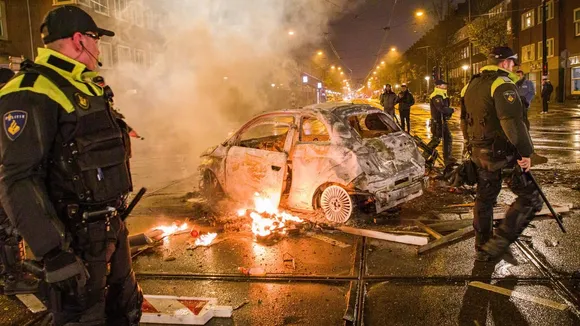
(263, 120)
(313, 116)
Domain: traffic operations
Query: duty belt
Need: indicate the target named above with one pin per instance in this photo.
(83, 214)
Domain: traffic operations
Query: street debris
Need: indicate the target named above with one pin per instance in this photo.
(289, 261)
(163, 309)
(31, 302)
(330, 240)
(519, 295)
(253, 271)
(241, 305)
(407, 239)
(551, 243)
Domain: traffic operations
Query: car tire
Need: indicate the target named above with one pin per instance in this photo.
(210, 186)
(336, 204)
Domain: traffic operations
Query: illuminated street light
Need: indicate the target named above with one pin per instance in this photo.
(339, 68)
(225, 77)
(465, 67)
(273, 85)
(332, 67)
(291, 33)
(342, 72)
(393, 49)
(378, 67)
(396, 86)
(319, 53)
(382, 62)
(419, 13)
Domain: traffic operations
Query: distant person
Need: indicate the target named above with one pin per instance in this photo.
(547, 90)
(388, 100)
(405, 100)
(527, 91)
(440, 113)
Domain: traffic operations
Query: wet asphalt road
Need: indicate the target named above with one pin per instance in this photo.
(399, 287)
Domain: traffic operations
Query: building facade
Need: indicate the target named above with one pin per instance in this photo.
(135, 23)
(524, 22)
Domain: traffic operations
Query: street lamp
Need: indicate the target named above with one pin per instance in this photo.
(465, 67)
(291, 33)
(382, 62)
(393, 49)
(319, 53)
(419, 13)
(427, 79)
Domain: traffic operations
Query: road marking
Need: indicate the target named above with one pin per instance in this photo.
(519, 295)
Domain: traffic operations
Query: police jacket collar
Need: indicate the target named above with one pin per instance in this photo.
(64, 65)
(509, 74)
(438, 91)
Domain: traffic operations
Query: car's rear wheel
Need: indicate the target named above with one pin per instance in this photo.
(210, 186)
(336, 204)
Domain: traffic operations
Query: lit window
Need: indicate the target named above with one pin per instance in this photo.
(106, 57)
(549, 11)
(528, 19)
(550, 48)
(577, 21)
(121, 10)
(101, 6)
(123, 54)
(576, 80)
(139, 57)
(528, 52)
(3, 30)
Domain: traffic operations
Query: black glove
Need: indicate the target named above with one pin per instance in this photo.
(65, 271)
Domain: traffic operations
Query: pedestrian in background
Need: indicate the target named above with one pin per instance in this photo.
(547, 90)
(527, 91)
(405, 100)
(388, 100)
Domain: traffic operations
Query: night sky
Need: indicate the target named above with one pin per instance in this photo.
(357, 35)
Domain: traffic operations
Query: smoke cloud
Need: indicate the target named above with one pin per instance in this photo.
(218, 59)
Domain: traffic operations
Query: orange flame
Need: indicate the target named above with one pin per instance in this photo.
(169, 230)
(264, 226)
(205, 239)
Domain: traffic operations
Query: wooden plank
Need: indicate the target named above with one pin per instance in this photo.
(446, 239)
(31, 302)
(407, 239)
(563, 208)
(519, 295)
(448, 226)
(429, 230)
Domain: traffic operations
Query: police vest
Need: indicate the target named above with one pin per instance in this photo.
(483, 125)
(90, 154)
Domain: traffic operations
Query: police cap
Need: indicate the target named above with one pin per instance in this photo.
(504, 53)
(65, 21)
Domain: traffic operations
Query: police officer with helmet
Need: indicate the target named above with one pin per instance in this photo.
(440, 113)
(492, 121)
(64, 175)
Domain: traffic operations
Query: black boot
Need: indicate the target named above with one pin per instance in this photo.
(481, 238)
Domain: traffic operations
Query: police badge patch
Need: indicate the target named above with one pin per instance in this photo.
(81, 100)
(14, 123)
(510, 96)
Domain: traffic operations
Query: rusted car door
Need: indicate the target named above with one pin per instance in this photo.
(257, 161)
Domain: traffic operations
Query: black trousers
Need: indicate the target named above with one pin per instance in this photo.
(112, 295)
(518, 216)
(440, 131)
(544, 104)
(405, 120)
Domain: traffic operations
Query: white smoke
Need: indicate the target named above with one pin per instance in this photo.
(213, 72)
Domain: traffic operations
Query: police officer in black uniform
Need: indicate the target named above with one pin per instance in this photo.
(492, 121)
(64, 175)
(440, 114)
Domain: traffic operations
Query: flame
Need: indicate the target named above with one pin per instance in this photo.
(266, 218)
(169, 230)
(205, 239)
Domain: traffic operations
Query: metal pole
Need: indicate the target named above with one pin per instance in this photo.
(30, 29)
(544, 41)
(469, 40)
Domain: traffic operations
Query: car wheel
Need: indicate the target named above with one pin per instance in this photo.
(210, 186)
(336, 204)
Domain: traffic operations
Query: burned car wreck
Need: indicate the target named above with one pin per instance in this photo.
(336, 157)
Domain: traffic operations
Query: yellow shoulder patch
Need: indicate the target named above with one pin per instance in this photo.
(41, 86)
(498, 82)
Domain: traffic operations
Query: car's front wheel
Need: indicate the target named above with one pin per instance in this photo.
(210, 186)
(336, 204)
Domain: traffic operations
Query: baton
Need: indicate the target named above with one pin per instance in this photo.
(557, 216)
(133, 203)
